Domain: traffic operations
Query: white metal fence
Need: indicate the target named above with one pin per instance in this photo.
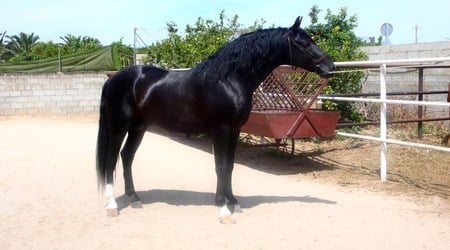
(383, 65)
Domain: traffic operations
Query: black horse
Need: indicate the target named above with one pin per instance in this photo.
(215, 98)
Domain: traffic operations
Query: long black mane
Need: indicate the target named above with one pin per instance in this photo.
(240, 57)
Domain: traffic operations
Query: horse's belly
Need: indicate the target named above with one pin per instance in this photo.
(187, 122)
(177, 110)
(183, 126)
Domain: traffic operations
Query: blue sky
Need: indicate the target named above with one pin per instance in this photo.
(112, 20)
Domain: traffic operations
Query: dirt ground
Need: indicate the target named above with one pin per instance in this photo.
(356, 163)
(327, 196)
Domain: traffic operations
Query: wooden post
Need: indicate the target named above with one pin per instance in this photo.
(448, 97)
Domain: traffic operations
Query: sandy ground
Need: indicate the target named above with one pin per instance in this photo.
(49, 200)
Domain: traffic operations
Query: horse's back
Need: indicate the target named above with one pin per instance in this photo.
(123, 90)
(134, 80)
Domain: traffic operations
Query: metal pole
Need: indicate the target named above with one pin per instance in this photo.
(383, 123)
(134, 46)
(420, 108)
(388, 101)
(59, 59)
(404, 143)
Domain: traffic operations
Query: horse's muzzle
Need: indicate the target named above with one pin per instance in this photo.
(327, 72)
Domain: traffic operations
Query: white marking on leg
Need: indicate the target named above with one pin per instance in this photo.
(224, 211)
(109, 193)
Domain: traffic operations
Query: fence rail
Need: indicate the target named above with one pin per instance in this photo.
(438, 62)
(419, 119)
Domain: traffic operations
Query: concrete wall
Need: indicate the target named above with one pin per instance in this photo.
(59, 93)
(407, 79)
(399, 79)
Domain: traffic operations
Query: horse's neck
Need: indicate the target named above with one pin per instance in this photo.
(257, 75)
(273, 56)
(248, 73)
(260, 75)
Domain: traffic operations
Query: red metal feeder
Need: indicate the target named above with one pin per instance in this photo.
(284, 107)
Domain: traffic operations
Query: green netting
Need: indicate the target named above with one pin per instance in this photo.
(102, 59)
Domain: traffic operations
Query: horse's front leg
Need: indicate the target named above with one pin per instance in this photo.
(233, 203)
(224, 150)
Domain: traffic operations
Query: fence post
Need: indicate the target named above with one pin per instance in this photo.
(420, 107)
(448, 95)
(383, 123)
(448, 98)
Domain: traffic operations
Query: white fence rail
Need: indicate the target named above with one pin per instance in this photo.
(383, 65)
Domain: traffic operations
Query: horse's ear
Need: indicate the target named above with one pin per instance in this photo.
(297, 23)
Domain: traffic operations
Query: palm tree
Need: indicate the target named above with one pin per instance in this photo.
(20, 45)
(2, 35)
(71, 41)
(78, 43)
(89, 43)
(2, 45)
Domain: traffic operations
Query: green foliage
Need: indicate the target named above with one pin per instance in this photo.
(76, 44)
(125, 54)
(19, 46)
(2, 45)
(44, 50)
(198, 42)
(95, 60)
(336, 36)
(25, 47)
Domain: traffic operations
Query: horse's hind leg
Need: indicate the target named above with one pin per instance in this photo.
(135, 135)
(114, 148)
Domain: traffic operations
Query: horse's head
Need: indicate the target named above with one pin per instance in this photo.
(304, 52)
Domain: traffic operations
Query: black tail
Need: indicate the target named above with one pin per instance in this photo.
(103, 139)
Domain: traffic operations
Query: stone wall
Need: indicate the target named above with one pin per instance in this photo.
(59, 93)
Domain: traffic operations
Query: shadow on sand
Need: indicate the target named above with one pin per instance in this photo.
(194, 198)
(263, 159)
(257, 158)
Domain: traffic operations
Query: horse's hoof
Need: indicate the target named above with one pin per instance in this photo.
(227, 220)
(136, 204)
(112, 212)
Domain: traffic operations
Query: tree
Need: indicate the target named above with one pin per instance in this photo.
(338, 39)
(44, 50)
(20, 46)
(2, 45)
(124, 52)
(77, 44)
(198, 42)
